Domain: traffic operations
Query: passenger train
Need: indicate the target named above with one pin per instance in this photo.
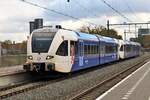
(63, 50)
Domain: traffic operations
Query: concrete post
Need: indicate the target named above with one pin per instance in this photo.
(0, 50)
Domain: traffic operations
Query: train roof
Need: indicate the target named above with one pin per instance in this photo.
(45, 30)
(73, 35)
(136, 43)
(107, 39)
(125, 42)
(95, 37)
(86, 36)
(68, 35)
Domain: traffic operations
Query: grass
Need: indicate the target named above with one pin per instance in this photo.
(12, 60)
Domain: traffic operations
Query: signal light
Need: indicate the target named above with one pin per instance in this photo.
(49, 57)
(30, 57)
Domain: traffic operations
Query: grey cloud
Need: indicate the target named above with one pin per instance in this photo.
(74, 8)
(90, 8)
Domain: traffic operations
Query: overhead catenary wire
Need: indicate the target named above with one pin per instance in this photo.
(84, 8)
(118, 12)
(132, 11)
(57, 12)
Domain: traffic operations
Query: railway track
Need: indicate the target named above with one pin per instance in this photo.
(24, 87)
(12, 84)
(93, 92)
(12, 90)
(19, 72)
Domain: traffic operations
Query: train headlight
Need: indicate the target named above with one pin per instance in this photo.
(49, 57)
(30, 57)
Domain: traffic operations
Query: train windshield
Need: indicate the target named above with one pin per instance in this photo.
(41, 42)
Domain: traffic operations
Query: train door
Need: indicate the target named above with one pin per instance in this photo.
(102, 52)
(74, 59)
(81, 55)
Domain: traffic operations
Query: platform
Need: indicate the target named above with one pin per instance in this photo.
(134, 87)
(11, 70)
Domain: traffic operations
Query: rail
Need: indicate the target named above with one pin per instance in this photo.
(9, 91)
(119, 75)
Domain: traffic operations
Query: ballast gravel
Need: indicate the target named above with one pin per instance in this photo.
(69, 87)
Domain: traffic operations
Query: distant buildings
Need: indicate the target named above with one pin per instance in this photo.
(144, 31)
(36, 24)
(13, 49)
(146, 41)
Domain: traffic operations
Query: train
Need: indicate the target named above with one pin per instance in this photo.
(64, 51)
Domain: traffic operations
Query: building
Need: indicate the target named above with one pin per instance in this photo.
(144, 31)
(146, 41)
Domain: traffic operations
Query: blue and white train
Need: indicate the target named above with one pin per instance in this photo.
(67, 51)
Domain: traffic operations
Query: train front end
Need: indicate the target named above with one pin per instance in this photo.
(39, 58)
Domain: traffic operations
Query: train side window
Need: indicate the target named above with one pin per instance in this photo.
(85, 50)
(81, 49)
(121, 48)
(110, 48)
(116, 49)
(128, 48)
(92, 49)
(107, 48)
(97, 49)
(89, 51)
(63, 49)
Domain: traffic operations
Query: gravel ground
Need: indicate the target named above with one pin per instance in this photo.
(67, 88)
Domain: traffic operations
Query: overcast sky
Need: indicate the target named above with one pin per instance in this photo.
(16, 14)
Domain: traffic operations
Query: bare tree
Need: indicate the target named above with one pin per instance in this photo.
(100, 30)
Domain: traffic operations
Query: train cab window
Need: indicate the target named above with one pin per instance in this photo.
(63, 49)
(41, 41)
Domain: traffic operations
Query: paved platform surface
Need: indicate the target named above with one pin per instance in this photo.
(11, 70)
(134, 87)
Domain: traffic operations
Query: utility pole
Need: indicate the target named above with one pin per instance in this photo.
(124, 34)
(108, 26)
(136, 36)
(134, 25)
(129, 28)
